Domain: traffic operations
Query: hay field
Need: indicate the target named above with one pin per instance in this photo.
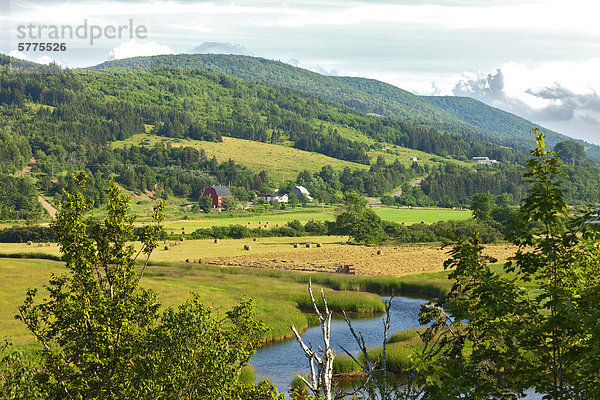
(394, 261)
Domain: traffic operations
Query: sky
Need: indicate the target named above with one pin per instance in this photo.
(539, 59)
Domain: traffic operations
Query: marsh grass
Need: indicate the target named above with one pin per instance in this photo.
(400, 348)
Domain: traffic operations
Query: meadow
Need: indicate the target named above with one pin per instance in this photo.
(272, 218)
(280, 300)
(281, 162)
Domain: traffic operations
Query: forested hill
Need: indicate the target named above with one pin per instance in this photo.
(457, 115)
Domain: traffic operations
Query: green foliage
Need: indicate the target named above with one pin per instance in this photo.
(570, 152)
(481, 205)
(357, 221)
(502, 339)
(23, 234)
(205, 203)
(94, 318)
(19, 377)
(101, 332)
(210, 352)
(18, 198)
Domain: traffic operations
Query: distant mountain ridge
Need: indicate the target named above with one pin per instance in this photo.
(456, 115)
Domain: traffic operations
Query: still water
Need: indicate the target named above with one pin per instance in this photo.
(280, 362)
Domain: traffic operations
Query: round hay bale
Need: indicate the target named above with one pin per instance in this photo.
(40, 245)
(171, 244)
(403, 223)
(342, 243)
(181, 239)
(47, 244)
(379, 252)
(29, 243)
(247, 247)
(166, 248)
(183, 228)
(307, 245)
(254, 239)
(216, 240)
(422, 222)
(248, 223)
(295, 245)
(172, 232)
(276, 225)
(187, 260)
(318, 244)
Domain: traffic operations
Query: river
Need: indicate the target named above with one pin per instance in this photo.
(280, 362)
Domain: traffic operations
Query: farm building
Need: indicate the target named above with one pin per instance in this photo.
(484, 160)
(282, 198)
(300, 191)
(412, 159)
(217, 193)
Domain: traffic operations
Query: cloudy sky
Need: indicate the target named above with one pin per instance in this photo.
(536, 58)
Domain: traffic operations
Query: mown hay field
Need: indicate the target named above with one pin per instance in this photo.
(393, 260)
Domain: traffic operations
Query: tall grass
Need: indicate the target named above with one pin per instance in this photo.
(400, 348)
(427, 285)
(344, 301)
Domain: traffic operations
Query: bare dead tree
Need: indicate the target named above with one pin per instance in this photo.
(321, 377)
(371, 367)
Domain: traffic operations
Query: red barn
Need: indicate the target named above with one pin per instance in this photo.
(217, 193)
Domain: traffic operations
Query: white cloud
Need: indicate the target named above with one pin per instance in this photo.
(18, 54)
(560, 95)
(40, 60)
(132, 48)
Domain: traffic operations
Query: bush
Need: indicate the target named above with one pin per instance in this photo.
(23, 234)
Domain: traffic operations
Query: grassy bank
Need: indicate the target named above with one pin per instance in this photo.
(401, 346)
(280, 301)
(425, 285)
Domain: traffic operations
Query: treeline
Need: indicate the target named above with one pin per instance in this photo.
(18, 198)
(160, 169)
(380, 178)
(393, 232)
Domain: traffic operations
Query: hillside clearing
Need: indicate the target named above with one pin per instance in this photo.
(281, 162)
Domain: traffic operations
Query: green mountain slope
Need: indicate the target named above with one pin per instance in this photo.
(457, 115)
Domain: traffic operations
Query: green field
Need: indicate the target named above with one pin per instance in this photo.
(174, 216)
(277, 298)
(417, 215)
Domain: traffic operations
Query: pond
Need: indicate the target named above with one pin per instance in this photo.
(280, 362)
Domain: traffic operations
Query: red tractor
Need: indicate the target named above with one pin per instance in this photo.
(346, 269)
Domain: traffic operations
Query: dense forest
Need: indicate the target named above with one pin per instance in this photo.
(67, 120)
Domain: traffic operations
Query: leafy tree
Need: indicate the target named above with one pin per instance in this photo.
(570, 152)
(502, 338)
(205, 203)
(293, 201)
(92, 323)
(358, 221)
(102, 333)
(481, 205)
(228, 203)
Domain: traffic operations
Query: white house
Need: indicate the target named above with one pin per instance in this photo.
(282, 198)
